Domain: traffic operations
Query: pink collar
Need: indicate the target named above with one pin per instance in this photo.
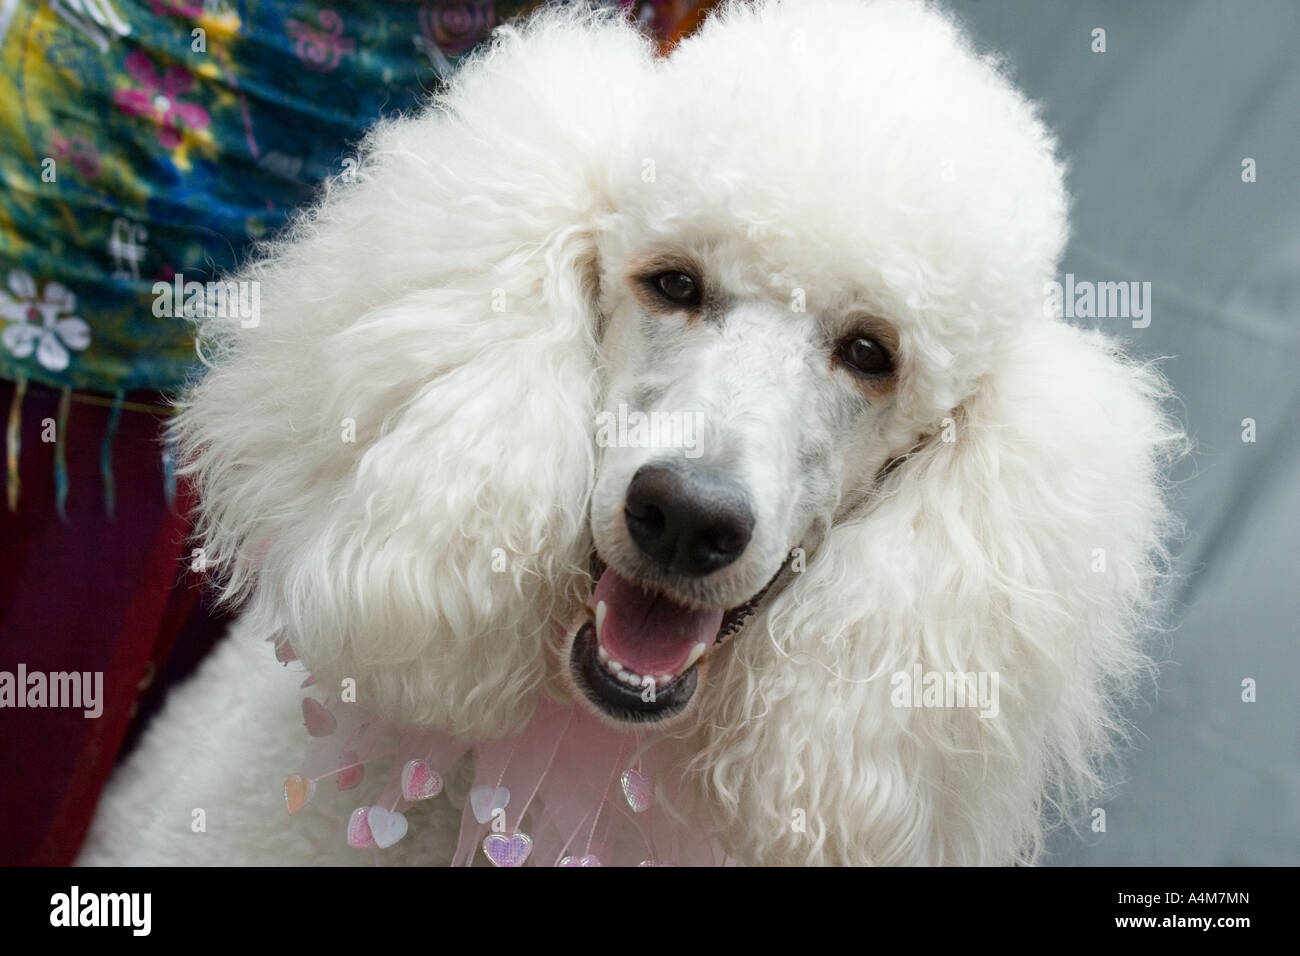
(566, 790)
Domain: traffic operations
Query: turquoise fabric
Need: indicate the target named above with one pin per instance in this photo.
(139, 140)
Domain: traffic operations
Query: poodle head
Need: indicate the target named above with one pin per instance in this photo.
(711, 390)
(836, 218)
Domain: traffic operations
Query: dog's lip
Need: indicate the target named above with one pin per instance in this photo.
(618, 700)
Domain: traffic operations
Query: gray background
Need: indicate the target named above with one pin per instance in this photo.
(1155, 130)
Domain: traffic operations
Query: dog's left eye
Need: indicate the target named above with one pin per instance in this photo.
(864, 354)
(677, 287)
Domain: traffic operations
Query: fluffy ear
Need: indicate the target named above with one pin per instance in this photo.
(394, 462)
(1023, 540)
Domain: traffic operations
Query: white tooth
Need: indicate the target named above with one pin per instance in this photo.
(600, 619)
(602, 654)
(664, 679)
(634, 680)
(696, 653)
(614, 666)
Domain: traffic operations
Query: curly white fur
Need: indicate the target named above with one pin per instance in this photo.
(453, 303)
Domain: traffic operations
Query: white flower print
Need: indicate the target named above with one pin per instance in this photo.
(41, 325)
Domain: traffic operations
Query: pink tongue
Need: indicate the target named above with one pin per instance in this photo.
(647, 633)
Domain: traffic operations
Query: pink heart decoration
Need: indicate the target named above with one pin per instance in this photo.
(588, 860)
(419, 781)
(320, 722)
(505, 850)
(284, 652)
(297, 792)
(359, 835)
(386, 826)
(638, 789)
(485, 801)
(308, 681)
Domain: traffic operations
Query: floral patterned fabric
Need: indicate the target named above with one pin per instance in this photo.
(139, 140)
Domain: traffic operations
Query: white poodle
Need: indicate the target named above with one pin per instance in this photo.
(714, 395)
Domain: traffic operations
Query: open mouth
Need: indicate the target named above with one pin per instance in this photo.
(638, 658)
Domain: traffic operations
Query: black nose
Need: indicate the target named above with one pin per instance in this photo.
(688, 521)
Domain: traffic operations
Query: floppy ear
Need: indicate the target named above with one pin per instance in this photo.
(394, 463)
(1027, 547)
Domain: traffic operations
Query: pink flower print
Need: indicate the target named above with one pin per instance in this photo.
(320, 47)
(41, 325)
(182, 8)
(453, 26)
(79, 151)
(157, 99)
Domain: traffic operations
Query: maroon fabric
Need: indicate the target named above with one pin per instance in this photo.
(91, 594)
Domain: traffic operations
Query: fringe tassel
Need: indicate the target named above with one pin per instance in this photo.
(13, 445)
(169, 475)
(61, 455)
(106, 456)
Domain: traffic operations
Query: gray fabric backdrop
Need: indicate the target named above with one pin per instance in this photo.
(1156, 129)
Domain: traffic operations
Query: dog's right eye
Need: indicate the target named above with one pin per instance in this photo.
(865, 355)
(677, 287)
